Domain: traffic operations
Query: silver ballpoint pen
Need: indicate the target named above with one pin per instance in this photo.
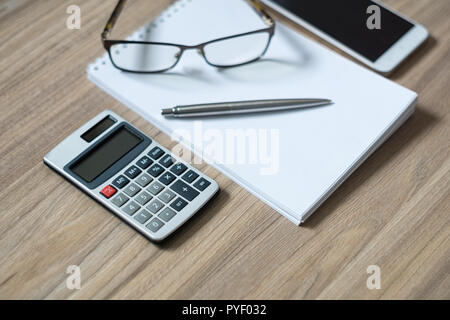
(240, 107)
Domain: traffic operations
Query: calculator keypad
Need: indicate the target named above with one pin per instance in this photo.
(132, 172)
(143, 180)
(184, 190)
(166, 196)
(108, 191)
(178, 169)
(143, 198)
(155, 170)
(131, 190)
(120, 199)
(154, 189)
(155, 206)
(120, 182)
(178, 204)
(167, 178)
(189, 176)
(167, 214)
(131, 208)
(155, 224)
(144, 162)
(166, 161)
(202, 184)
(156, 153)
(143, 216)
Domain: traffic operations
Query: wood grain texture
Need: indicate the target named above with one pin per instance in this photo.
(394, 211)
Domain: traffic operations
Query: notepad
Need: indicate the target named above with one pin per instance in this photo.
(302, 156)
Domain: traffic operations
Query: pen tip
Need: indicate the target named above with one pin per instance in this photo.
(326, 101)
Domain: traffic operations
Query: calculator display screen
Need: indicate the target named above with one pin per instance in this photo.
(105, 154)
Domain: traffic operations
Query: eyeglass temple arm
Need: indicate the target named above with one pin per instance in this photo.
(112, 20)
(258, 7)
(255, 4)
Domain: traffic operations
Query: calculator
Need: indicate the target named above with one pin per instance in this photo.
(132, 175)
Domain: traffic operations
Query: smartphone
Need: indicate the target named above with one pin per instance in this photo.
(367, 30)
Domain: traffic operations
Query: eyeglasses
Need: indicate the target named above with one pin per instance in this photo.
(156, 57)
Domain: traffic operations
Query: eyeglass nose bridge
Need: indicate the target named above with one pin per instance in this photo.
(183, 48)
(199, 48)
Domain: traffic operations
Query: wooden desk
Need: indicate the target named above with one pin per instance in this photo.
(393, 212)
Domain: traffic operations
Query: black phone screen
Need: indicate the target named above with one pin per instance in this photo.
(346, 22)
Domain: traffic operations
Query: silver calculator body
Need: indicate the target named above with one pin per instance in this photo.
(132, 175)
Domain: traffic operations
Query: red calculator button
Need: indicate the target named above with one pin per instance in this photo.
(108, 191)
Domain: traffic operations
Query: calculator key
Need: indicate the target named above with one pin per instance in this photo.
(143, 197)
(143, 216)
(156, 153)
(131, 208)
(144, 162)
(155, 224)
(189, 176)
(108, 191)
(178, 169)
(155, 170)
(131, 190)
(120, 200)
(166, 161)
(155, 188)
(202, 184)
(184, 190)
(132, 172)
(155, 206)
(167, 214)
(143, 180)
(167, 178)
(178, 204)
(166, 196)
(120, 182)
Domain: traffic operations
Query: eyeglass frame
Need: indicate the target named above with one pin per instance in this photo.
(255, 4)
